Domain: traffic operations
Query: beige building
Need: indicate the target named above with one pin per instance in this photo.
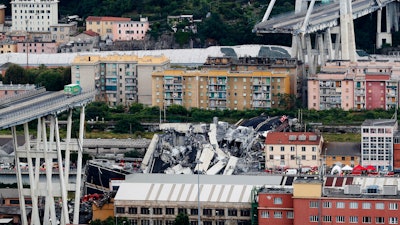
(103, 25)
(293, 149)
(61, 33)
(121, 79)
(219, 89)
(8, 47)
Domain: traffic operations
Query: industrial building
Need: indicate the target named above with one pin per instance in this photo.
(159, 198)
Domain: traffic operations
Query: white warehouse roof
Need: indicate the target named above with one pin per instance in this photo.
(183, 188)
(195, 56)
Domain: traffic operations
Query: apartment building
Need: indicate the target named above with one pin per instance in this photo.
(130, 30)
(355, 86)
(120, 79)
(377, 141)
(33, 15)
(219, 89)
(103, 25)
(278, 64)
(292, 150)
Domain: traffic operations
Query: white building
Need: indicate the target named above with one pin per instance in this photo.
(158, 198)
(377, 143)
(34, 15)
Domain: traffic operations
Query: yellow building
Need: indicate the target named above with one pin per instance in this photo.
(8, 48)
(219, 89)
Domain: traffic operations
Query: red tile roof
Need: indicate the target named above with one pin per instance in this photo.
(292, 138)
(91, 33)
(107, 18)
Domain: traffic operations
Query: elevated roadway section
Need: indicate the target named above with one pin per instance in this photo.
(46, 149)
(327, 21)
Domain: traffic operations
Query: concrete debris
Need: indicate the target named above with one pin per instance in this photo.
(217, 148)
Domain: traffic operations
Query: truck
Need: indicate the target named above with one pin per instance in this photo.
(72, 90)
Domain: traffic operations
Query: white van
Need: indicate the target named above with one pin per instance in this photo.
(291, 171)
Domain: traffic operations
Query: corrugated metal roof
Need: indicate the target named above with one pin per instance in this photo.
(196, 56)
(183, 188)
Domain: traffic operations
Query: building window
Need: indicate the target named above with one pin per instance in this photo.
(393, 206)
(194, 212)
(278, 215)
(327, 218)
(182, 210)
(277, 201)
(290, 214)
(120, 210)
(313, 204)
(366, 205)
(366, 219)
(303, 148)
(232, 212)
(353, 219)
(145, 222)
(157, 222)
(170, 211)
(314, 149)
(132, 210)
(282, 148)
(353, 205)
(145, 211)
(313, 218)
(292, 148)
(393, 220)
(219, 212)
(379, 205)
(340, 205)
(271, 148)
(379, 220)
(264, 214)
(157, 211)
(339, 219)
(245, 212)
(207, 212)
(327, 205)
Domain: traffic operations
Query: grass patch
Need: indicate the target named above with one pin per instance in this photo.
(347, 137)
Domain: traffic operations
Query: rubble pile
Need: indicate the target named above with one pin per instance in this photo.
(217, 148)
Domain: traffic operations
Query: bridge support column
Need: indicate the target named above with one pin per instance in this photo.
(348, 45)
(384, 33)
(48, 149)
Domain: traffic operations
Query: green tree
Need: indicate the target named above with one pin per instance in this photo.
(135, 108)
(15, 74)
(182, 219)
(51, 80)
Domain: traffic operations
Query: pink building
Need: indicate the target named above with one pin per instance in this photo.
(130, 30)
(7, 90)
(37, 47)
(360, 85)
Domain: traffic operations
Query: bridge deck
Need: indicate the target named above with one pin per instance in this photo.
(31, 108)
(322, 17)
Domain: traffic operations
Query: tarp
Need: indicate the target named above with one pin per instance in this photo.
(347, 168)
(359, 168)
(370, 167)
(336, 169)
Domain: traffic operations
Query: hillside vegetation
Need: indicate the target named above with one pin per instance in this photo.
(224, 22)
